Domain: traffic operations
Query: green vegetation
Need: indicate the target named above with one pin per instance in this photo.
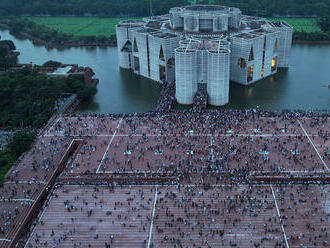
(109, 8)
(52, 63)
(7, 60)
(324, 23)
(62, 30)
(130, 8)
(28, 98)
(21, 142)
(101, 30)
(80, 26)
(313, 36)
(75, 84)
(8, 43)
(308, 29)
(304, 28)
(273, 8)
(307, 25)
(7, 160)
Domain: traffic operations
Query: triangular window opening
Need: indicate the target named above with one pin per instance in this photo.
(127, 47)
(251, 57)
(136, 49)
(161, 54)
(276, 45)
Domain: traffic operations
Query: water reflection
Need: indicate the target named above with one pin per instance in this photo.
(304, 86)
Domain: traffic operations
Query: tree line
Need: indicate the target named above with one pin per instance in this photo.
(274, 8)
(138, 8)
(112, 8)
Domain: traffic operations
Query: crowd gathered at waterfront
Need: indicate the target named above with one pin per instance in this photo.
(201, 151)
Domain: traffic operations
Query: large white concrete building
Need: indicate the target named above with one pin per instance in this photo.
(205, 44)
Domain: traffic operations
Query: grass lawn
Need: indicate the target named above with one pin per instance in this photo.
(80, 26)
(301, 24)
(94, 26)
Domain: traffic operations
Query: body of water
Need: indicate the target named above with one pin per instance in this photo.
(303, 86)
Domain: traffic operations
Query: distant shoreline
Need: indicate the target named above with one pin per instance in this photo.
(310, 42)
(51, 44)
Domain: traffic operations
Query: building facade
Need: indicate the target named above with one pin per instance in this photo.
(205, 44)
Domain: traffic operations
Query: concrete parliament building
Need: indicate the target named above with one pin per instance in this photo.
(204, 44)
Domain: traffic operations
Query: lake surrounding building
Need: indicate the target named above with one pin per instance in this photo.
(204, 44)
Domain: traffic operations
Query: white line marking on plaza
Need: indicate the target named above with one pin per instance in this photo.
(279, 172)
(130, 172)
(175, 185)
(179, 135)
(153, 216)
(106, 151)
(25, 182)
(7, 240)
(57, 121)
(110, 135)
(40, 218)
(237, 235)
(222, 185)
(313, 145)
(279, 216)
(28, 200)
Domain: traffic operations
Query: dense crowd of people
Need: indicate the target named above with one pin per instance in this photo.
(196, 146)
(185, 216)
(166, 98)
(227, 145)
(25, 181)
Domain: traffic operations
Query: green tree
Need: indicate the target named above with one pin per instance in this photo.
(87, 92)
(28, 98)
(8, 43)
(324, 23)
(21, 142)
(3, 162)
(52, 63)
